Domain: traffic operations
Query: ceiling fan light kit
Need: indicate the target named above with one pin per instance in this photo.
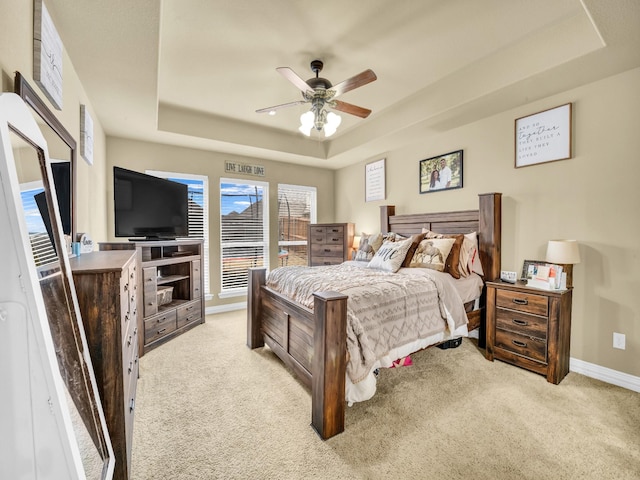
(320, 93)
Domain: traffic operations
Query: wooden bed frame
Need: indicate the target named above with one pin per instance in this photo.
(313, 342)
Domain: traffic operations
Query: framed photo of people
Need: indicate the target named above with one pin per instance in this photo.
(443, 172)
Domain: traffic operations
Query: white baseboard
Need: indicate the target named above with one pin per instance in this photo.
(225, 308)
(605, 374)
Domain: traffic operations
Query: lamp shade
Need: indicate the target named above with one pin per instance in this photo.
(563, 251)
(356, 242)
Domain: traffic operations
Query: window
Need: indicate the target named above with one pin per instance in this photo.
(296, 210)
(41, 243)
(244, 232)
(198, 191)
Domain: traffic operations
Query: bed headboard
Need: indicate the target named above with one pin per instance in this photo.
(487, 221)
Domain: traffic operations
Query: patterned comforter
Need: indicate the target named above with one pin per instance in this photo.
(384, 310)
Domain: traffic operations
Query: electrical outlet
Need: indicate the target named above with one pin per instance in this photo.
(619, 340)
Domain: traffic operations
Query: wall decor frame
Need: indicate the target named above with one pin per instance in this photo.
(443, 172)
(544, 136)
(530, 268)
(86, 135)
(374, 180)
(47, 54)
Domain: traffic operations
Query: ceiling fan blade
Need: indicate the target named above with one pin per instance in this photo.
(354, 82)
(293, 77)
(352, 109)
(284, 105)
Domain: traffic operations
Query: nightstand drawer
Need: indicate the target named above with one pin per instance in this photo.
(526, 346)
(523, 302)
(521, 323)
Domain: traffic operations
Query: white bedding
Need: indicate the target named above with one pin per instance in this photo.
(416, 299)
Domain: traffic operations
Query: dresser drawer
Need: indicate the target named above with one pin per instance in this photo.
(523, 302)
(159, 325)
(522, 323)
(326, 250)
(318, 261)
(532, 347)
(188, 313)
(334, 235)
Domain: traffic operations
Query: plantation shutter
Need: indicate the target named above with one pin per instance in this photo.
(244, 231)
(296, 210)
(198, 212)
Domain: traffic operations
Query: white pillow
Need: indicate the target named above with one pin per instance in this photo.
(390, 255)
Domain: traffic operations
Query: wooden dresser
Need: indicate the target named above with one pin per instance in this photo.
(530, 328)
(330, 243)
(106, 286)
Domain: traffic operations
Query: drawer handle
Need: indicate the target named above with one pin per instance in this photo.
(327, 249)
(135, 331)
(520, 322)
(521, 301)
(519, 344)
(130, 367)
(132, 405)
(126, 287)
(335, 239)
(129, 341)
(162, 331)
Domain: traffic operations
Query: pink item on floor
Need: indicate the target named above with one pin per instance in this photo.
(402, 362)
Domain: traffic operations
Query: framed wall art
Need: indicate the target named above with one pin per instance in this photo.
(443, 172)
(530, 268)
(47, 54)
(86, 135)
(543, 137)
(374, 181)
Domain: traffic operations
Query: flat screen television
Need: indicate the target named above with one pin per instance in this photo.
(149, 207)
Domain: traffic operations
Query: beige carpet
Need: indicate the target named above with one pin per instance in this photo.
(210, 408)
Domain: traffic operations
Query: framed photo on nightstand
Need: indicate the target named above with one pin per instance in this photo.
(530, 269)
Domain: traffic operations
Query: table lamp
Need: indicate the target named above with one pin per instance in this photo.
(566, 254)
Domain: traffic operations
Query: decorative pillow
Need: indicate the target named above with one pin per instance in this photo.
(415, 241)
(390, 256)
(375, 241)
(432, 253)
(365, 250)
(473, 262)
(452, 264)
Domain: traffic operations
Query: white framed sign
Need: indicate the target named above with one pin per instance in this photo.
(543, 137)
(86, 135)
(47, 54)
(374, 176)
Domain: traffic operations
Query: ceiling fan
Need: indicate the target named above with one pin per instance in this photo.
(321, 94)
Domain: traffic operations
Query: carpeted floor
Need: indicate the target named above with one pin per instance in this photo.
(209, 408)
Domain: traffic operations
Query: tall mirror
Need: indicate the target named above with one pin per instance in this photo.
(62, 152)
(30, 178)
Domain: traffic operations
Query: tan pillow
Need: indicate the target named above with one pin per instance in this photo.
(432, 253)
(390, 256)
(452, 264)
(375, 241)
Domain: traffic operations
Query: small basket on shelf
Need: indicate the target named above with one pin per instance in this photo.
(165, 295)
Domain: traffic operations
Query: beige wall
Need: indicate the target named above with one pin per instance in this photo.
(16, 54)
(141, 156)
(593, 197)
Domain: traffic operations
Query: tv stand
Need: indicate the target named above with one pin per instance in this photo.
(177, 264)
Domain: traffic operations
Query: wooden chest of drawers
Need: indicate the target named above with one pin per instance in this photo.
(107, 289)
(330, 243)
(530, 328)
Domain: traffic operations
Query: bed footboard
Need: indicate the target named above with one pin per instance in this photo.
(312, 343)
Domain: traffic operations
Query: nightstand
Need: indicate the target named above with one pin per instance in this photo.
(529, 327)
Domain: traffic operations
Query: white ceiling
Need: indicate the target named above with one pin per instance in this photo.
(193, 72)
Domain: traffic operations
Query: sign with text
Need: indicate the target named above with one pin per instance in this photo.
(544, 137)
(374, 181)
(233, 167)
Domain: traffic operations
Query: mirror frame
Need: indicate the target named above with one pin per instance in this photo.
(31, 98)
(68, 344)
